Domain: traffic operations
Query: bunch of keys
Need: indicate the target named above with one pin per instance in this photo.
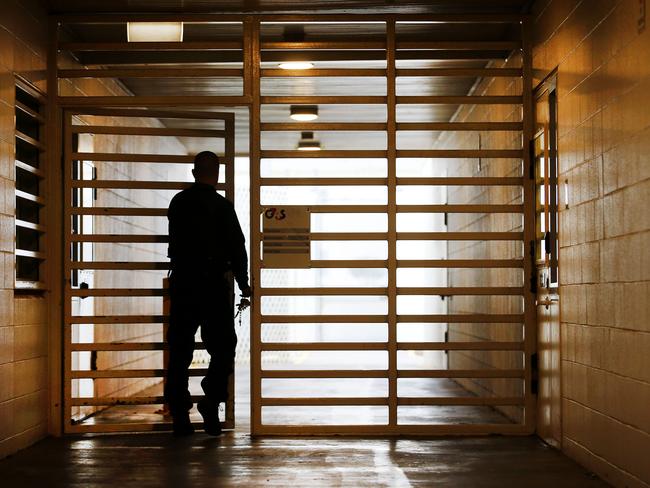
(243, 304)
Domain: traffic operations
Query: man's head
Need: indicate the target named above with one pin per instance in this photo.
(206, 168)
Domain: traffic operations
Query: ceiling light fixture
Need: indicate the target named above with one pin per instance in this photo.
(154, 31)
(295, 34)
(303, 113)
(308, 143)
(296, 65)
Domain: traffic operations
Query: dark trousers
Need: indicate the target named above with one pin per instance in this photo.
(209, 304)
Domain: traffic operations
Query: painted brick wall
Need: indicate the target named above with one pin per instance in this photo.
(603, 62)
(24, 320)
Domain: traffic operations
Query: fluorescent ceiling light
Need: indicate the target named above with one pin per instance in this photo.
(304, 113)
(154, 31)
(296, 65)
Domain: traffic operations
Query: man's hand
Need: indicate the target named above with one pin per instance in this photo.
(246, 292)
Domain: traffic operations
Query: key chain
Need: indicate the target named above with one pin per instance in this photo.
(243, 304)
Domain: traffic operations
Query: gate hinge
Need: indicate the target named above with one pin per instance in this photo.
(534, 368)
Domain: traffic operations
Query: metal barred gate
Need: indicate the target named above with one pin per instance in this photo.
(413, 312)
(121, 377)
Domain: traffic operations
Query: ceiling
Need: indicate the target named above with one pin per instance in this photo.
(110, 32)
(289, 6)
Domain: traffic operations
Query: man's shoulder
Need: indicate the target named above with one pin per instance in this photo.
(224, 202)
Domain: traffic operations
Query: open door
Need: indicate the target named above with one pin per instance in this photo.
(117, 189)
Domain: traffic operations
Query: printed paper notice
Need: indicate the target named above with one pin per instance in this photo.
(286, 242)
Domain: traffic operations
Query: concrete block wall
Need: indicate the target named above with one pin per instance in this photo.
(602, 54)
(23, 319)
(24, 323)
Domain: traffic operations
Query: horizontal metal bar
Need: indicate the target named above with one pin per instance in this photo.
(460, 236)
(461, 290)
(114, 401)
(318, 73)
(347, 236)
(383, 346)
(324, 319)
(470, 45)
(149, 72)
(324, 100)
(460, 126)
(460, 346)
(299, 374)
(450, 208)
(151, 46)
(119, 238)
(157, 113)
(133, 158)
(121, 265)
(137, 185)
(323, 401)
(461, 181)
(462, 318)
(323, 126)
(460, 373)
(132, 211)
(117, 319)
(147, 131)
(322, 291)
(322, 181)
(126, 346)
(152, 101)
(131, 373)
(460, 99)
(473, 72)
(296, 154)
(121, 346)
(444, 291)
(469, 401)
(101, 18)
(460, 263)
(324, 346)
(348, 263)
(458, 153)
(118, 292)
(322, 45)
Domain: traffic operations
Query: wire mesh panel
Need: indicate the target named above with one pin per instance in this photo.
(122, 167)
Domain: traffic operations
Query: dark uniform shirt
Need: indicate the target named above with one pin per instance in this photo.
(205, 238)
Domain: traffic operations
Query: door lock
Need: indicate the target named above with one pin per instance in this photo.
(547, 302)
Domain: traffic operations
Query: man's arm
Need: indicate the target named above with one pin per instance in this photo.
(238, 256)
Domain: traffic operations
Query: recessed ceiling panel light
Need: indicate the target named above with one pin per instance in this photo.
(154, 31)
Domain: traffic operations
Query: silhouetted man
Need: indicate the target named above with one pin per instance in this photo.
(205, 243)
